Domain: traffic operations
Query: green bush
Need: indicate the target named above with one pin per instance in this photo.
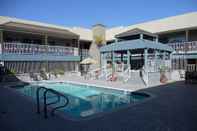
(58, 72)
(163, 68)
(43, 74)
(13, 72)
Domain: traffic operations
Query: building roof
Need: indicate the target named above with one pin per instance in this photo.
(179, 22)
(134, 31)
(8, 22)
(84, 33)
(135, 44)
(169, 24)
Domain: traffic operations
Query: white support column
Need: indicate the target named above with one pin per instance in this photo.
(78, 45)
(46, 43)
(113, 61)
(78, 64)
(156, 61)
(156, 39)
(170, 59)
(128, 59)
(146, 59)
(105, 60)
(141, 36)
(101, 60)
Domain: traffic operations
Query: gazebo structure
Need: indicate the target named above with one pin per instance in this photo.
(136, 50)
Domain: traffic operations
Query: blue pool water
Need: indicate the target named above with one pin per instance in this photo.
(85, 101)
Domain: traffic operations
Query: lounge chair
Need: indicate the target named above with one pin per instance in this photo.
(112, 77)
(191, 77)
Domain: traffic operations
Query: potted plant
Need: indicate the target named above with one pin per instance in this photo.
(58, 72)
(12, 72)
(163, 78)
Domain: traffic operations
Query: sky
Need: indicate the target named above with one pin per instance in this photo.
(85, 13)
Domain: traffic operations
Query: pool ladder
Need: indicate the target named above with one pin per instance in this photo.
(46, 104)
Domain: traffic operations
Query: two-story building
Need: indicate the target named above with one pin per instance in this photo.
(28, 46)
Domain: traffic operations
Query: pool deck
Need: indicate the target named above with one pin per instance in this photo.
(119, 85)
(173, 107)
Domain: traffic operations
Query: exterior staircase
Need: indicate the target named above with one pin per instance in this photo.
(136, 79)
(153, 78)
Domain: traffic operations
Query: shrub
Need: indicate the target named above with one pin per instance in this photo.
(43, 74)
(58, 72)
(12, 71)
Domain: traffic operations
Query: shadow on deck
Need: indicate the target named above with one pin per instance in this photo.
(173, 108)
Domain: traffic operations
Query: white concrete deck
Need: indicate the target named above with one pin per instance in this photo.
(119, 85)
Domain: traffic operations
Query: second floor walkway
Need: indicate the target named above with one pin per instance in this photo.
(26, 51)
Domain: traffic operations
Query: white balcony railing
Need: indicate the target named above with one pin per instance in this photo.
(184, 46)
(191, 67)
(33, 49)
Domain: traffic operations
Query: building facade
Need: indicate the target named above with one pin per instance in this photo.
(28, 46)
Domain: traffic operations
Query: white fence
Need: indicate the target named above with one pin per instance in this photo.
(184, 46)
(191, 68)
(23, 48)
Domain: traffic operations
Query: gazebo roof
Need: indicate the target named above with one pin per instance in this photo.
(136, 44)
(135, 31)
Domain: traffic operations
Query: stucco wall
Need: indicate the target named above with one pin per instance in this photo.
(98, 31)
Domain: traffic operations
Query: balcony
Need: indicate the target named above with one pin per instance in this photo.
(35, 52)
(184, 47)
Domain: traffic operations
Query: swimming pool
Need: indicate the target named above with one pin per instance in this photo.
(86, 100)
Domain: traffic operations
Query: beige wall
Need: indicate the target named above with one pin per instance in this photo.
(99, 30)
(94, 52)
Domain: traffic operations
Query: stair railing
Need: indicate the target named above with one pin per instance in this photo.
(144, 76)
(46, 104)
(126, 75)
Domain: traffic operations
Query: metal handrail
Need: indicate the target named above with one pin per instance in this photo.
(58, 94)
(184, 46)
(126, 74)
(37, 98)
(47, 104)
(144, 76)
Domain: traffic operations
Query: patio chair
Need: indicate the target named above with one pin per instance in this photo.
(34, 77)
(112, 77)
(191, 77)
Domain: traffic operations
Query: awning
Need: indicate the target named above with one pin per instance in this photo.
(15, 24)
(88, 61)
(185, 56)
(136, 44)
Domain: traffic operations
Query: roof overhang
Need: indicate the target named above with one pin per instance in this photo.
(134, 31)
(17, 26)
(176, 30)
(135, 44)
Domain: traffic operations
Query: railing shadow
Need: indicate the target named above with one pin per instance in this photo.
(7, 75)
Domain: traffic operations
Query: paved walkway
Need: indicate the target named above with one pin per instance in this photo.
(116, 85)
(172, 108)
